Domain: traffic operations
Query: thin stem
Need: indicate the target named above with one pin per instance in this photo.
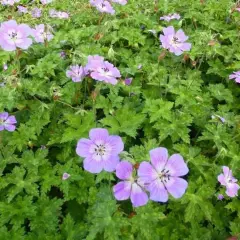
(64, 103)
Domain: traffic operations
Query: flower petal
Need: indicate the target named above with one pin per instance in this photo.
(92, 166)
(138, 196)
(169, 30)
(159, 158)
(116, 144)
(83, 147)
(158, 192)
(176, 166)
(232, 189)
(122, 190)
(146, 172)
(111, 163)
(10, 127)
(124, 170)
(98, 134)
(176, 186)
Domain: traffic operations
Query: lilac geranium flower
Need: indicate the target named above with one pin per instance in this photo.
(9, 2)
(7, 122)
(13, 35)
(76, 73)
(226, 179)
(41, 33)
(22, 9)
(129, 187)
(235, 76)
(101, 151)
(122, 2)
(36, 13)
(170, 17)
(162, 175)
(102, 6)
(174, 42)
(101, 70)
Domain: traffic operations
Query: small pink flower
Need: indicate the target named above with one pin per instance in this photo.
(102, 6)
(7, 122)
(76, 73)
(226, 179)
(170, 17)
(65, 176)
(41, 33)
(235, 76)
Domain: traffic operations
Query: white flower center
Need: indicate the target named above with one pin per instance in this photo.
(100, 150)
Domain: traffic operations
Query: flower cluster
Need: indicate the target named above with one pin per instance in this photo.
(57, 14)
(160, 177)
(97, 69)
(105, 6)
(7, 122)
(13, 36)
(9, 2)
(175, 42)
(170, 17)
(226, 179)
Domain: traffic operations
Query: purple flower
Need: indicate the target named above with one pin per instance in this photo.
(44, 2)
(41, 33)
(226, 179)
(100, 151)
(220, 197)
(76, 73)
(238, 9)
(63, 15)
(13, 35)
(57, 14)
(129, 187)
(236, 76)
(53, 13)
(7, 122)
(22, 9)
(9, 2)
(122, 2)
(174, 42)
(169, 17)
(102, 6)
(128, 81)
(162, 175)
(65, 176)
(36, 13)
(101, 70)
(62, 54)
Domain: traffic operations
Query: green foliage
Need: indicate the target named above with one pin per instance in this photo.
(174, 102)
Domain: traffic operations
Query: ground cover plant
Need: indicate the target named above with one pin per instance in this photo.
(119, 119)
